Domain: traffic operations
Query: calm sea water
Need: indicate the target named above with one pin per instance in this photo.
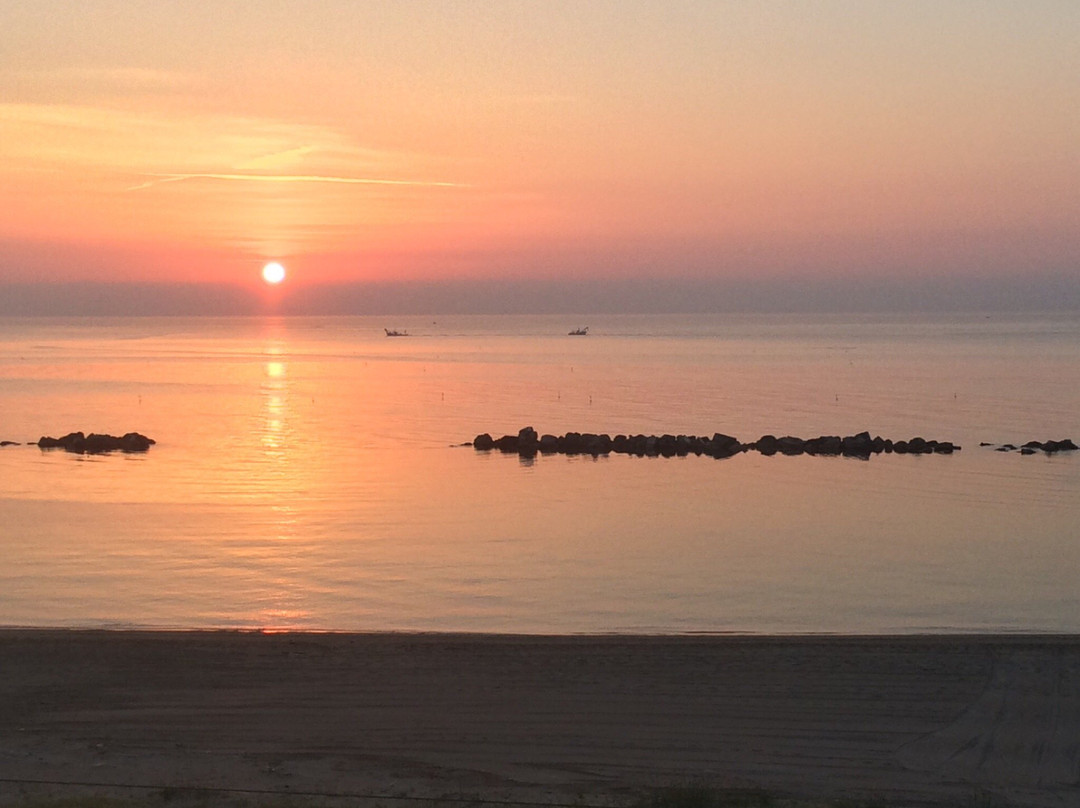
(306, 475)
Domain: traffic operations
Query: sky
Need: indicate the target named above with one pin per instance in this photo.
(674, 154)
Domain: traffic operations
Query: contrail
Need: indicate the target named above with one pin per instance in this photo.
(162, 178)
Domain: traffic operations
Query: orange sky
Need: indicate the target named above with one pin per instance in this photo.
(381, 141)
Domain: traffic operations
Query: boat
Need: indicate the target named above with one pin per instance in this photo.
(392, 333)
(579, 332)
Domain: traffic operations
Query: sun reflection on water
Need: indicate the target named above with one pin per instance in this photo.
(284, 587)
(274, 394)
(282, 593)
(305, 477)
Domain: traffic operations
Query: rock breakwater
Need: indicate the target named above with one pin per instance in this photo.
(527, 442)
(93, 443)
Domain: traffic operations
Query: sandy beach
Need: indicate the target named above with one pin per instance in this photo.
(553, 719)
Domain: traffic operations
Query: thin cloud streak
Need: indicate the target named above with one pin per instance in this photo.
(164, 178)
(276, 159)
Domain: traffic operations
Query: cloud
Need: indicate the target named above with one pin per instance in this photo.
(163, 178)
(277, 159)
(160, 148)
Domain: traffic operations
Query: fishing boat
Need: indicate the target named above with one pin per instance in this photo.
(579, 332)
(392, 333)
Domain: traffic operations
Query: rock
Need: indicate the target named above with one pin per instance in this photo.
(507, 443)
(1027, 450)
(919, 446)
(824, 445)
(666, 445)
(549, 444)
(9, 443)
(483, 442)
(528, 444)
(571, 443)
(790, 445)
(96, 444)
(768, 445)
(70, 442)
(857, 445)
(723, 446)
(599, 444)
(1052, 446)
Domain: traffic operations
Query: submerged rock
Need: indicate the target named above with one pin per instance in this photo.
(1033, 446)
(1065, 445)
(1050, 446)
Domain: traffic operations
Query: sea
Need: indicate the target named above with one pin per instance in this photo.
(312, 473)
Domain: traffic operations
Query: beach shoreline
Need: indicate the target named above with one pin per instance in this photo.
(585, 718)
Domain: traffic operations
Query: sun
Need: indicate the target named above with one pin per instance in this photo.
(273, 273)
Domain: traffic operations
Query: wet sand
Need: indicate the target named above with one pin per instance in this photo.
(910, 719)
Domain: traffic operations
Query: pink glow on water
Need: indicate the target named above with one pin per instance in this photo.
(305, 476)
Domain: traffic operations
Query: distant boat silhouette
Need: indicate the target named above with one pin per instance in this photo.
(579, 332)
(391, 333)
